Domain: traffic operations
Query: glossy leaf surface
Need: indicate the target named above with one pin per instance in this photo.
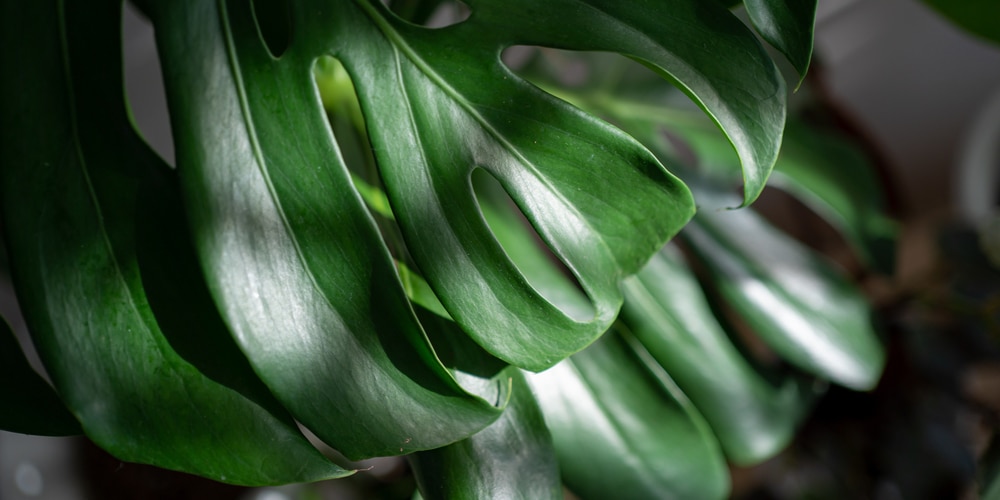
(291, 256)
(752, 417)
(826, 172)
(439, 104)
(70, 189)
(450, 107)
(512, 458)
(622, 432)
(788, 26)
(797, 302)
(30, 406)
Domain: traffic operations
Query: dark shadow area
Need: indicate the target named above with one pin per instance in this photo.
(273, 20)
(178, 295)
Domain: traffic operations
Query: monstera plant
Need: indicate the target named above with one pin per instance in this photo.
(379, 231)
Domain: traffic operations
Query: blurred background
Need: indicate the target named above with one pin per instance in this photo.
(924, 98)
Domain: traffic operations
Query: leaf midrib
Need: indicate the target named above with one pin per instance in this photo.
(82, 162)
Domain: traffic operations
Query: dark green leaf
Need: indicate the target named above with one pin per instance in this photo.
(30, 406)
(439, 104)
(989, 472)
(701, 46)
(512, 458)
(290, 254)
(828, 173)
(796, 301)
(788, 26)
(667, 311)
(69, 189)
(622, 431)
(978, 17)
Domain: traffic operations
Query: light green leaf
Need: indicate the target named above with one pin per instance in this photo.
(796, 301)
(69, 191)
(291, 256)
(30, 406)
(752, 417)
(623, 431)
(788, 26)
(512, 458)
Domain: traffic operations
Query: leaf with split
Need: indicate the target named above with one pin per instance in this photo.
(70, 188)
(753, 417)
(439, 104)
(796, 301)
(622, 429)
(291, 257)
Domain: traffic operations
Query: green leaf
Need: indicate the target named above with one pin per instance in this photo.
(797, 302)
(826, 172)
(30, 406)
(978, 17)
(837, 181)
(623, 430)
(439, 104)
(512, 458)
(989, 472)
(699, 46)
(70, 189)
(290, 254)
(788, 26)
(450, 107)
(752, 417)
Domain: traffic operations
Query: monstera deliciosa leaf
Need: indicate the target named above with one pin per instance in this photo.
(190, 317)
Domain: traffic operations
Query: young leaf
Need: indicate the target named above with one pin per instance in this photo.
(512, 458)
(290, 254)
(69, 191)
(796, 301)
(30, 406)
(668, 313)
(788, 26)
(622, 432)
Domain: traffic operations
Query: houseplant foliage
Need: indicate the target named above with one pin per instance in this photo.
(188, 317)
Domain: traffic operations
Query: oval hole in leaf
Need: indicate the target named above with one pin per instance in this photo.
(430, 13)
(347, 124)
(526, 249)
(273, 24)
(546, 66)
